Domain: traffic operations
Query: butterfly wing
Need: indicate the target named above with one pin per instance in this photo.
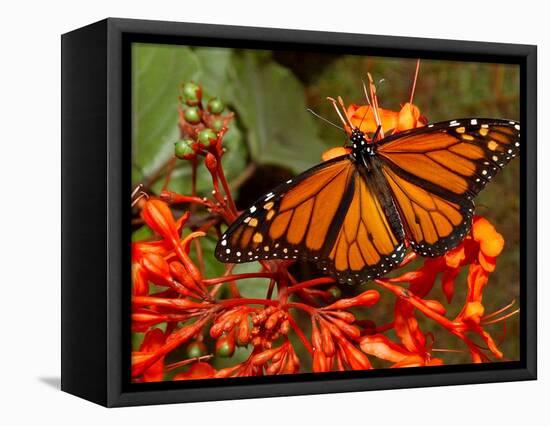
(327, 214)
(370, 239)
(435, 172)
(293, 221)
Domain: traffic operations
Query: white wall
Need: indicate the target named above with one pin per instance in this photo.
(30, 176)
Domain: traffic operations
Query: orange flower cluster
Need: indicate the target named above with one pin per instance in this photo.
(189, 320)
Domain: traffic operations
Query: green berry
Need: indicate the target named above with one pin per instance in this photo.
(192, 115)
(225, 346)
(215, 106)
(217, 124)
(207, 137)
(335, 292)
(183, 149)
(192, 93)
(196, 349)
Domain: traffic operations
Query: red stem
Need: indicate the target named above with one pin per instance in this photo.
(300, 334)
(194, 176)
(311, 283)
(229, 303)
(214, 281)
(415, 301)
(170, 170)
(302, 306)
(225, 185)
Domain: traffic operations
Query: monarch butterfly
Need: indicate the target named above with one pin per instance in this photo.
(353, 214)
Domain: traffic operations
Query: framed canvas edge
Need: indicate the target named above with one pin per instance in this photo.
(117, 149)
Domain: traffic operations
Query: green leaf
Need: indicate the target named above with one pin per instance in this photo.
(156, 73)
(254, 288)
(212, 266)
(142, 234)
(271, 104)
(214, 63)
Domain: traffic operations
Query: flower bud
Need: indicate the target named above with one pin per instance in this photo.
(381, 347)
(243, 333)
(273, 319)
(327, 342)
(264, 357)
(217, 124)
(490, 241)
(366, 299)
(159, 218)
(192, 93)
(215, 106)
(207, 137)
(157, 269)
(184, 149)
(435, 306)
(409, 118)
(180, 273)
(140, 287)
(199, 370)
(192, 115)
(357, 359)
(225, 346)
(196, 349)
(211, 163)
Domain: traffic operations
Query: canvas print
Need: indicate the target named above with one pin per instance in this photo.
(305, 212)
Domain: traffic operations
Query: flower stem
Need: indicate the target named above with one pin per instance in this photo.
(300, 334)
(214, 281)
(311, 283)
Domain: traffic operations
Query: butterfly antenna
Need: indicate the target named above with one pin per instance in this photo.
(363, 118)
(325, 120)
(414, 80)
(368, 102)
(335, 105)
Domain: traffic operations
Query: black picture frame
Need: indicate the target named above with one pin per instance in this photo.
(96, 187)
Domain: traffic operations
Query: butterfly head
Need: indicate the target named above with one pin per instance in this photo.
(360, 143)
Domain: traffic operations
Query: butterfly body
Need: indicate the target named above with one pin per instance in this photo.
(354, 215)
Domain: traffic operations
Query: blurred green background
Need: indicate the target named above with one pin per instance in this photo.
(274, 137)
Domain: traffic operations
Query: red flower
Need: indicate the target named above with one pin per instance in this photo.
(170, 288)
(153, 340)
(382, 347)
(199, 370)
(408, 117)
(334, 335)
